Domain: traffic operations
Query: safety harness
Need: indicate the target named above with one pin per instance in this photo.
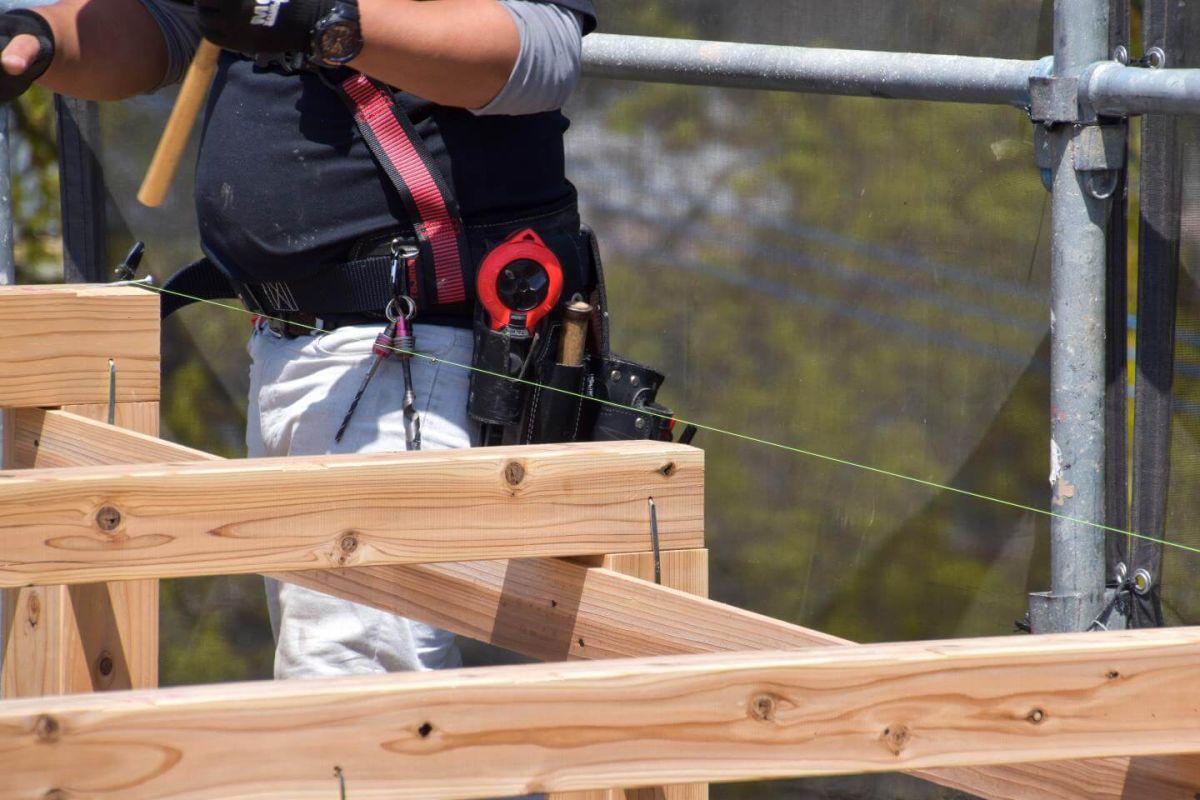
(443, 271)
(529, 384)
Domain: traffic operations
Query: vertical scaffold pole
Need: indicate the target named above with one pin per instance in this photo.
(1079, 229)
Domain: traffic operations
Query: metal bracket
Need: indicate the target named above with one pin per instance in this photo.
(1100, 147)
(1054, 99)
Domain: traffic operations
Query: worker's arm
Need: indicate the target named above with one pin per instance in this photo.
(104, 49)
(454, 52)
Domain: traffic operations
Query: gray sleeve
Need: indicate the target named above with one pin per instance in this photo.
(178, 24)
(548, 64)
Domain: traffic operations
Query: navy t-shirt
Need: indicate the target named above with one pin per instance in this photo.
(285, 184)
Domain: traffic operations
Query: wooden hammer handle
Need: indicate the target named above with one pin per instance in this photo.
(574, 330)
(179, 126)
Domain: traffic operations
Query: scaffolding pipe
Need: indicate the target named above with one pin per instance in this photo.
(1111, 89)
(1116, 91)
(1077, 363)
(914, 76)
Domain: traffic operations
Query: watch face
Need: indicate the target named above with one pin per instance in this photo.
(341, 41)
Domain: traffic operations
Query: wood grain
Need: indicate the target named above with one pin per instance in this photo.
(553, 610)
(262, 515)
(582, 725)
(542, 607)
(89, 637)
(56, 342)
(687, 571)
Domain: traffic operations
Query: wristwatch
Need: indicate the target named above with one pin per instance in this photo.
(337, 37)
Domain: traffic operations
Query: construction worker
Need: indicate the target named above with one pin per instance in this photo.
(309, 214)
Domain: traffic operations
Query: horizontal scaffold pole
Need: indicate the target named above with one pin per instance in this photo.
(509, 730)
(1109, 87)
(88, 524)
(550, 609)
(916, 76)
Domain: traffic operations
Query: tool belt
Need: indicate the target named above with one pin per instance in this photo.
(540, 372)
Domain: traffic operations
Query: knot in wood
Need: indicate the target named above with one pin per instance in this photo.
(896, 737)
(668, 469)
(105, 665)
(762, 707)
(56, 794)
(514, 473)
(425, 729)
(349, 543)
(108, 518)
(47, 728)
(34, 609)
(1036, 716)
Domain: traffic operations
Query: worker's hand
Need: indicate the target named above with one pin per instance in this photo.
(261, 27)
(26, 50)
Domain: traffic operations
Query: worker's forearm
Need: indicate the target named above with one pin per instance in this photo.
(453, 52)
(104, 49)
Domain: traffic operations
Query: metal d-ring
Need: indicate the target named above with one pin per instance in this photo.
(394, 305)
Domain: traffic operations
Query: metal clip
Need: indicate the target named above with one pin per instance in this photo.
(127, 269)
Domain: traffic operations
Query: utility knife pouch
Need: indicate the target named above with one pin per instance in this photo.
(554, 405)
(494, 398)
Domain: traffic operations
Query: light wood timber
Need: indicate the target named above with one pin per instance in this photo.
(541, 607)
(554, 610)
(79, 525)
(77, 438)
(89, 637)
(563, 727)
(687, 571)
(56, 342)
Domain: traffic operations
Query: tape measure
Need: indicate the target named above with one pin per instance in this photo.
(520, 281)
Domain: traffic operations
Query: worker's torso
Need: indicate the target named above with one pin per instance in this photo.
(285, 182)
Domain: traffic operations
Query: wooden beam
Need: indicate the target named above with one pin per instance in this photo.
(554, 610)
(89, 637)
(563, 727)
(56, 343)
(542, 608)
(118, 522)
(687, 571)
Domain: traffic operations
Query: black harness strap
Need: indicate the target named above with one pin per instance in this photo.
(364, 285)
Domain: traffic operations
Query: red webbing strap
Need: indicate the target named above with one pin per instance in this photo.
(399, 150)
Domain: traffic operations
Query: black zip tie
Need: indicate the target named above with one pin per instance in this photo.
(1100, 623)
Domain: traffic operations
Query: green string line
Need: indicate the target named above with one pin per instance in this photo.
(719, 431)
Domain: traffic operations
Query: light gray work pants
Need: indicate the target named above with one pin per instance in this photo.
(300, 390)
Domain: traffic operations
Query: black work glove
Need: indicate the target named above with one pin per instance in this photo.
(13, 24)
(261, 27)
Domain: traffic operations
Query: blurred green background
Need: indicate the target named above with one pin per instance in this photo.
(860, 278)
